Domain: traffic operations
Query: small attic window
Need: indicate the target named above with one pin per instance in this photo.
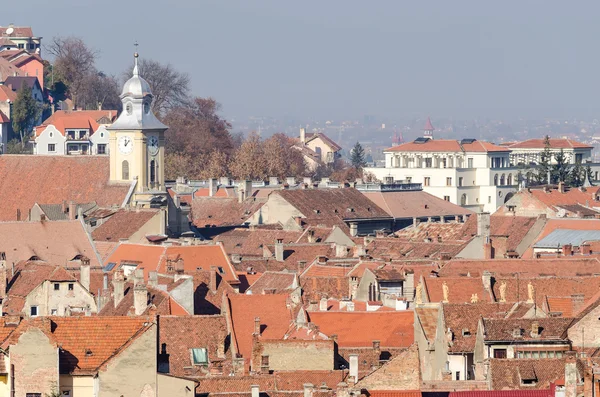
(88, 353)
(221, 270)
(317, 211)
(199, 356)
(350, 209)
(466, 332)
(517, 333)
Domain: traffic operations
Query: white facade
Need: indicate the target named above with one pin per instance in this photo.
(76, 142)
(574, 152)
(479, 180)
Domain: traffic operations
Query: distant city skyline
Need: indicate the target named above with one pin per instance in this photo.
(346, 59)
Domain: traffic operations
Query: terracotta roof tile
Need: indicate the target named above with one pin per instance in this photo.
(58, 242)
(87, 343)
(525, 267)
(555, 143)
(17, 31)
(277, 282)
(155, 258)
(462, 320)
(123, 224)
(550, 329)
(460, 289)
(332, 206)
(53, 179)
(181, 334)
(250, 242)
(212, 212)
(428, 317)
(410, 204)
(274, 314)
(505, 373)
(447, 145)
(360, 329)
(80, 119)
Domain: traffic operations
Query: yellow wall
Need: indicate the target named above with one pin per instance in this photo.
(80, 386)
(139, 159)
(172, 386)
(133, 370)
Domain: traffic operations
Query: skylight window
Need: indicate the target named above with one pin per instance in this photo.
(199, 356)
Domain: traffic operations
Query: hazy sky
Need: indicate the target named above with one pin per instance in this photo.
(343, 58)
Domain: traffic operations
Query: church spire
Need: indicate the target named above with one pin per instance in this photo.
(136, 72)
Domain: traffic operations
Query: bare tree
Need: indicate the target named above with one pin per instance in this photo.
(170, 88)
(249, 161)
(73, 62)
(99, 91)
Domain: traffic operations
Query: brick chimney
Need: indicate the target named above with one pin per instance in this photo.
(72, 210)
(257, 326)
(118, 287)
(488, 252)
(279, 250)
(303, 135)
(376, 347)
(140, 299)
(84, 274)
(585, 249)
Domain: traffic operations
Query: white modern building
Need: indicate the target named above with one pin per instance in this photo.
(530, 151)
(74, 133)
(474, 174)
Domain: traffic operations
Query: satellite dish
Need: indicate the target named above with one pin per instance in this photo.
(9, 31)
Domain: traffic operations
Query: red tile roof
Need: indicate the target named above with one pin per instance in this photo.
(525, 267)
(154, 258)
(214, 211)
(181, 334)
(57, 242)
(123, 224)
(102, 337)
(447, 145)
(54, 179)
(80, 119)
(274, 314)
(332, 206)
(555, 143)
(505, 374)
(360, 329)
(279, 282)
(410, 204)
(17, 31)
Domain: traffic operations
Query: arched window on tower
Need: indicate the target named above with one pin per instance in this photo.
(125, 170)
(502, 180)
(152, 171)
(496, 180)
(509, 180)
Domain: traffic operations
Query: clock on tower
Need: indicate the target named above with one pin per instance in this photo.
(137, 141)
